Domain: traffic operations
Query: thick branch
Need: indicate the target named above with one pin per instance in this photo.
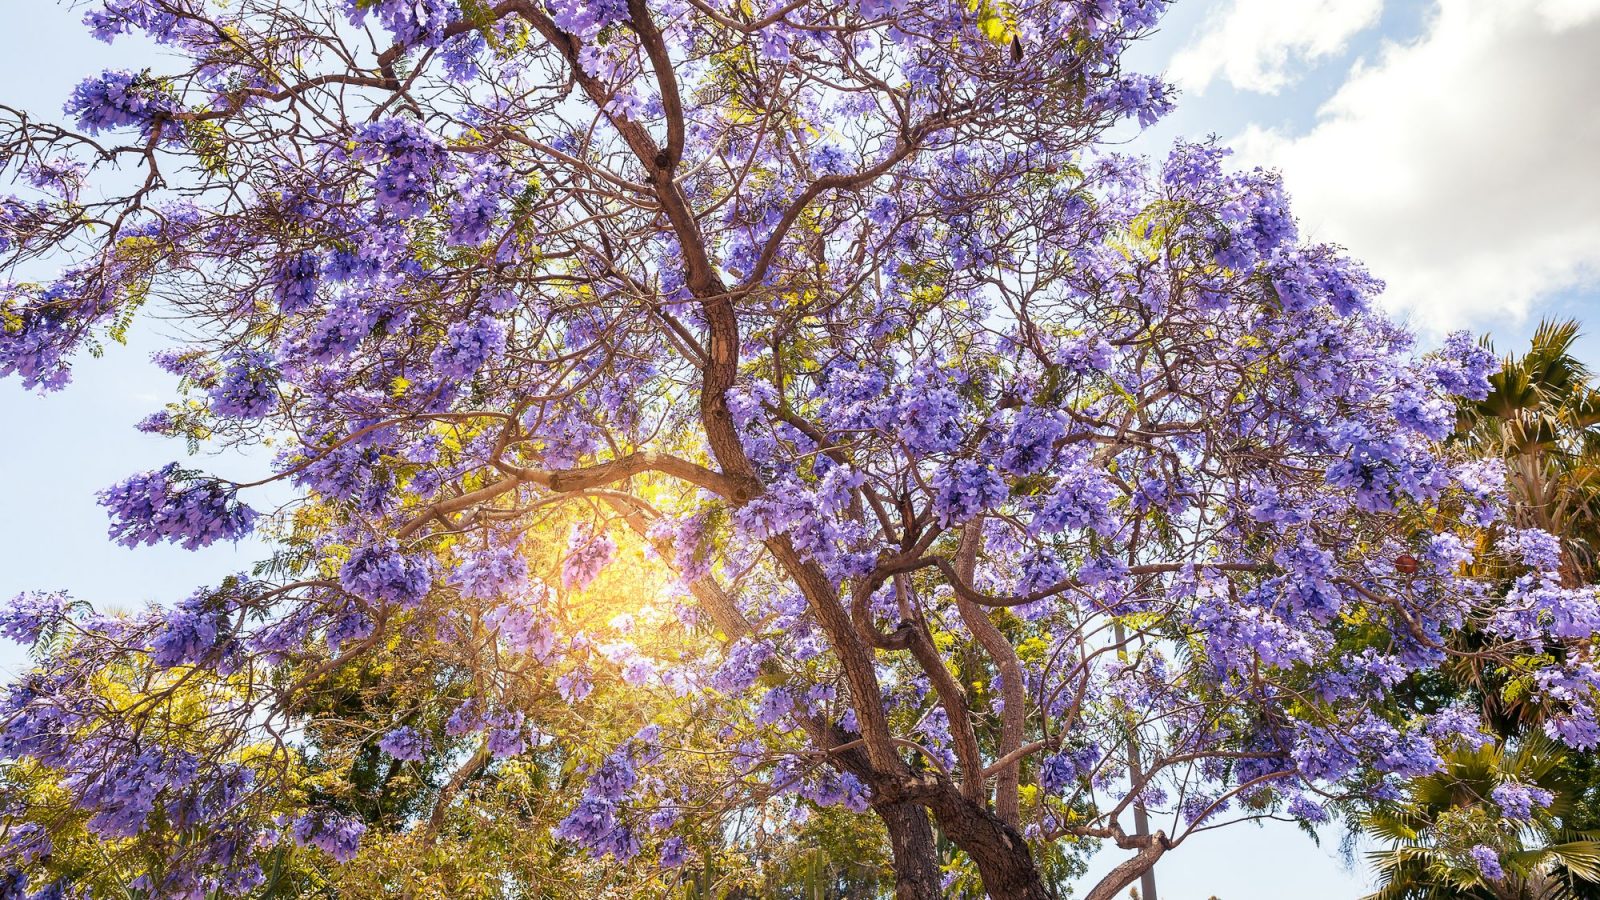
(1008, 770)
(1129, 870)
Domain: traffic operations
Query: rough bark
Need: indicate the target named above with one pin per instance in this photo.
(1130, 870)
(954, 700)
(916, 862)
(1004, 861)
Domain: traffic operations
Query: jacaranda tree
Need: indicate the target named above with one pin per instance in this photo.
(1028, 491)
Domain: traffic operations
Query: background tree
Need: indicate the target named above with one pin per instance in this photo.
(1542, 416)
(1538, 417)
(1488, 825)
(1000, 466)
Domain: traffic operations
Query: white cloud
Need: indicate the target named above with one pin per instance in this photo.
(1254, 42)
(1462, 167)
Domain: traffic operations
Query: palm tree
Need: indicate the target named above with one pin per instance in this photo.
(1542, 416)
(1542, 419)
(1443, 818)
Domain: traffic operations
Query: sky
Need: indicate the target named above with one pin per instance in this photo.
(1452, 145)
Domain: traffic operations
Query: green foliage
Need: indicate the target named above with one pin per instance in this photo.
(1433, 829)
(1542, 416)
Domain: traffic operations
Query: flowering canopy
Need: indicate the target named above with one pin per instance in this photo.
(1028, 485)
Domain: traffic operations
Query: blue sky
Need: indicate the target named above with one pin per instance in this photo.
(1454, 145)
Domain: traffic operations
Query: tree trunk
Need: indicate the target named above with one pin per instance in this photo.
(916, 862)
(1004, 861)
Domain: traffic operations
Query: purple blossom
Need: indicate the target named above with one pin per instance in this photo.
(930, 419)
(574, 686)
(1537, 549)
(404, 743)
(613, 778)
(1463, 366)
(162, 423)
(590, 823)
(588, 552)
(586, 18)
(463, 720)
(1426, 414)
(156, 19)
(247, 388)
(29, 615)
(1084, 354)
(507, 742)
(419, 22)
(1061, 770)
(189, 635)
(1030, 445)
(117, 99)
(742, 666)
(1307, 810)
(381, 573)
(674, 853)
(1081, 499)
(774, 707)
(1141, 96)
(491, 574)
(965, 489)
(294, 284)
(338, 836)
(1488, 862)
(1516, 801)
(467, 346)
(411, 158)
(175, 505)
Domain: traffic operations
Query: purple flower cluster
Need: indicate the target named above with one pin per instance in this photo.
(1488, 862)
(382, 573)
(491, 574)
(467, 346)
(294, 284)
(674, 853)
(410, 157)
(1462, 366)
(174, 505)
(1516, 801)
(34, 341)
(336, 835)
(160, 20)
(588, 552)
(507, 741)
(1060, 771)
(29, 615)
(574, 686)
(1080, 499)
(1030, 445)
(965, 489)
(247, 388)
(410, 22)
(189, 636)
(404, 743)
(118, 99)
(585, 18)
(1381, 470)
(1141, 96)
